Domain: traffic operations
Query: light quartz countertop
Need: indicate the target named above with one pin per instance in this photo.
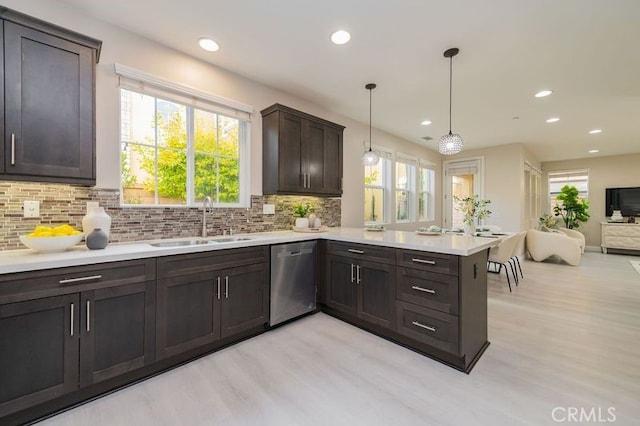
(28, 260)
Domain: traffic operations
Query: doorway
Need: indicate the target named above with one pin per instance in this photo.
(462, 178)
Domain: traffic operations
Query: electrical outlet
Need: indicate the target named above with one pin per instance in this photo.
(31, 208)
(268, 209)
(92, 204)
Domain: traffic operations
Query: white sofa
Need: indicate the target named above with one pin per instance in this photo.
(575, 234)
(542, 245)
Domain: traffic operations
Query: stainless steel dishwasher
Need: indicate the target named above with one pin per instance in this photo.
(293, 280)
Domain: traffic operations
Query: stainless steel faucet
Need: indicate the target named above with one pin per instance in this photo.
(209, 202)
(231, 230)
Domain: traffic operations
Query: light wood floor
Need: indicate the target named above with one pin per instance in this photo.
(566, 337)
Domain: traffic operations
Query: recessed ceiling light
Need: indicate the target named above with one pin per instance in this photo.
(426, 122)
(340, 37)
(208, 44)
(594, 131)
(553, 120)
(594, 151)
(543, 93)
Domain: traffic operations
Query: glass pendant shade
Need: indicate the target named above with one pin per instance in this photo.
(450, 144)
(370, 158)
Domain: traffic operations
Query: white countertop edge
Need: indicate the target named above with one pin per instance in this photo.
(12, 261)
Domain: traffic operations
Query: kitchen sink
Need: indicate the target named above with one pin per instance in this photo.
(198, 242)
(180, 243)
(230, 239)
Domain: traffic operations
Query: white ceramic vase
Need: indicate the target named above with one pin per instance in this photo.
(469, 229)
(302, 222)
(96, 218)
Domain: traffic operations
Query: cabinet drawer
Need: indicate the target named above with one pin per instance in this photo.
(181, 264)
(428, 261)
(428, 326)
(53, 282)
(428, 289)
(362, 251)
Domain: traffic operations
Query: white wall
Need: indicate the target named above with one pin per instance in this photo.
(120, 46)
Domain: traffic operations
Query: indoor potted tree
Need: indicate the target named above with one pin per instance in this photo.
(573, 209)
(473, 208)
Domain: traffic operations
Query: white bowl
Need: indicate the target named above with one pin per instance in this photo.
(51, 243)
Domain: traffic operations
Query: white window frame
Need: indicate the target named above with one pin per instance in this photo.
(412, 196)
(569, 176)
(386, 156)
(151, 85)
(475, 166)
(429, 193)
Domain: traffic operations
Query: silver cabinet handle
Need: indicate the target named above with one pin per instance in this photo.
(72, 320)
(428, 262)
(226, 286)
(88, 316)
(218, 288)
(352, 278)
(358, 280)
(426, 290)
(426, 327)
(355, 251)
(309, 180)
(75, 280)
(13, 149)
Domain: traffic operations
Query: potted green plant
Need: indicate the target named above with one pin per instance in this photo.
(301, 211)
(473, 208)
(548, 222)
(573, 209)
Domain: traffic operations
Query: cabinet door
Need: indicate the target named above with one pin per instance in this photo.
(332, 165)
(49, 102)
(313, 154)
(39, 351)
(291, 167)
(187, 314)
(117, 325)
(245, 298)
(341, 284)
(376, 295)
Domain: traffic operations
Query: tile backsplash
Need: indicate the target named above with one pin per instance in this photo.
(61, 203)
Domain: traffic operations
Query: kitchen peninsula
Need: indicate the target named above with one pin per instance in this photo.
(427, 293)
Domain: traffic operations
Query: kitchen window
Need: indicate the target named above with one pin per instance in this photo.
(376, 184)
(177, 148)
(426, 189)
(405, 191)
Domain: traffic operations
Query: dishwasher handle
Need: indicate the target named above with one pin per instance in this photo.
(295, 253)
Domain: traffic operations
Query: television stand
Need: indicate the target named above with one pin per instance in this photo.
(618, 235)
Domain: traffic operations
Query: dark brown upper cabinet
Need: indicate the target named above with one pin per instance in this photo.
(301, 154)
(48, 132)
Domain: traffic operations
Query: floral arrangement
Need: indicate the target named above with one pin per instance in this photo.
(302, 210)
(473, 208)
(548, 222)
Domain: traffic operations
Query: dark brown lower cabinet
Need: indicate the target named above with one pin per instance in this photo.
(116, 331)
(220, 295)
(362, 288)
(39, 351)
(101, 325)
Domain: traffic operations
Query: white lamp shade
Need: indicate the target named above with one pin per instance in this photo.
(370, 158)
(450, 144)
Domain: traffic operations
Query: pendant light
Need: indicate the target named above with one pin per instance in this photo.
(452, 143)
(370, 158)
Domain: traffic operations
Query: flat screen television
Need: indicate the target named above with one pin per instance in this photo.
(627, 200)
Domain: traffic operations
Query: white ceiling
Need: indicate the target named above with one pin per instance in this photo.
(587, 51)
